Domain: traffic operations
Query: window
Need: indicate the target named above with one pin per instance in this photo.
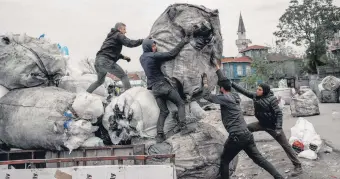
(248, 70)
(240, 70)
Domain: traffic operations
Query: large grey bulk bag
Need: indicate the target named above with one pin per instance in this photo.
(29, 62)
(327, 96)
(196, 57)
(32, 118)
(197, 154)
(135, 113)
(305, 103)
(78, 84)
(331, 83)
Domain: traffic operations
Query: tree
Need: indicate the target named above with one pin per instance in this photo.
(88, 66)
(263, 71)
(310, 23)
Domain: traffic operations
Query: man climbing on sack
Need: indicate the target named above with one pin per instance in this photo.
(240, 138)
(110, 53)
(151, 61)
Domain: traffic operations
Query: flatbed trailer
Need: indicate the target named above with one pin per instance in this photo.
(94, 161)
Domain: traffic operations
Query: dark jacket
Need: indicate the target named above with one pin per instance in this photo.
(113, 44)
(231, 112)
(152, 61)
(267, 110)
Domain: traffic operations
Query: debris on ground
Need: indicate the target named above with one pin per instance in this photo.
(327, 165)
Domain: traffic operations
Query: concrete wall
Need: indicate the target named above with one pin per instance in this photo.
(100, 172)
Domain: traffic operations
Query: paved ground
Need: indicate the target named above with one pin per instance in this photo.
(327, 166)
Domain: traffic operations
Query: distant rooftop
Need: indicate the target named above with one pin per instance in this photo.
(254, 47)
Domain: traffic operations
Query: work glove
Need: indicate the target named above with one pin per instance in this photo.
(128, 59)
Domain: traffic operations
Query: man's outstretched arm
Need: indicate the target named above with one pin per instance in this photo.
(128, 42)
(166, 56)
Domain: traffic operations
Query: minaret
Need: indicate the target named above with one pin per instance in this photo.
(242, 42)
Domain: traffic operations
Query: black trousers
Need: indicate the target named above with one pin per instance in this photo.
(244, 140)
(281, 139)
(163, 91)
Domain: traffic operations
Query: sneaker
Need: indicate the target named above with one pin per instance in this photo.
(186, 130)
(297, 171)
(160, 137)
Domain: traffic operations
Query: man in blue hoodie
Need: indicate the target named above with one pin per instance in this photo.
(151, 61)
(110, 53)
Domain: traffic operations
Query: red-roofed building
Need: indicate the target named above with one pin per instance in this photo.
(254, 51)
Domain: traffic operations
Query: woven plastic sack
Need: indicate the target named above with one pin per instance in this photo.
(29, 62)
(196, 57)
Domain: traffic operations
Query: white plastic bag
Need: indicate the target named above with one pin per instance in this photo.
(93, 142)
(304, 131)
(308, 154)
(88, 106)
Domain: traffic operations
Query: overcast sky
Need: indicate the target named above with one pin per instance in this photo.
(82, 25)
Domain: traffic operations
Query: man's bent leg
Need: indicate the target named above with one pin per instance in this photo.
(282, 140)
(164, 112)
(119, 72)
(231, 149)
(100, 80)
(254, 127)
(179, 102)
(252, 151)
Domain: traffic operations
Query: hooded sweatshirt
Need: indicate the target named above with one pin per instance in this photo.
(152, 61)
(113, 44)
(267, 110)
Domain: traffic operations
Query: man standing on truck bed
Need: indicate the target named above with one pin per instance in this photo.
(151, 61)
(240, 138)
(110, 53)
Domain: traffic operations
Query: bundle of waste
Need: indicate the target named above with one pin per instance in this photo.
(197, 154)
(39, 118)
(196, 57)
(328, 90)
(78, 84)
(330, 83)
(304, 103)
(135, 113)
(305, 139)
(29, 62)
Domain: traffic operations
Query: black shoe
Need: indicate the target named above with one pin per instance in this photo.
(297, 171)
(186, 130)
(160, 137)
